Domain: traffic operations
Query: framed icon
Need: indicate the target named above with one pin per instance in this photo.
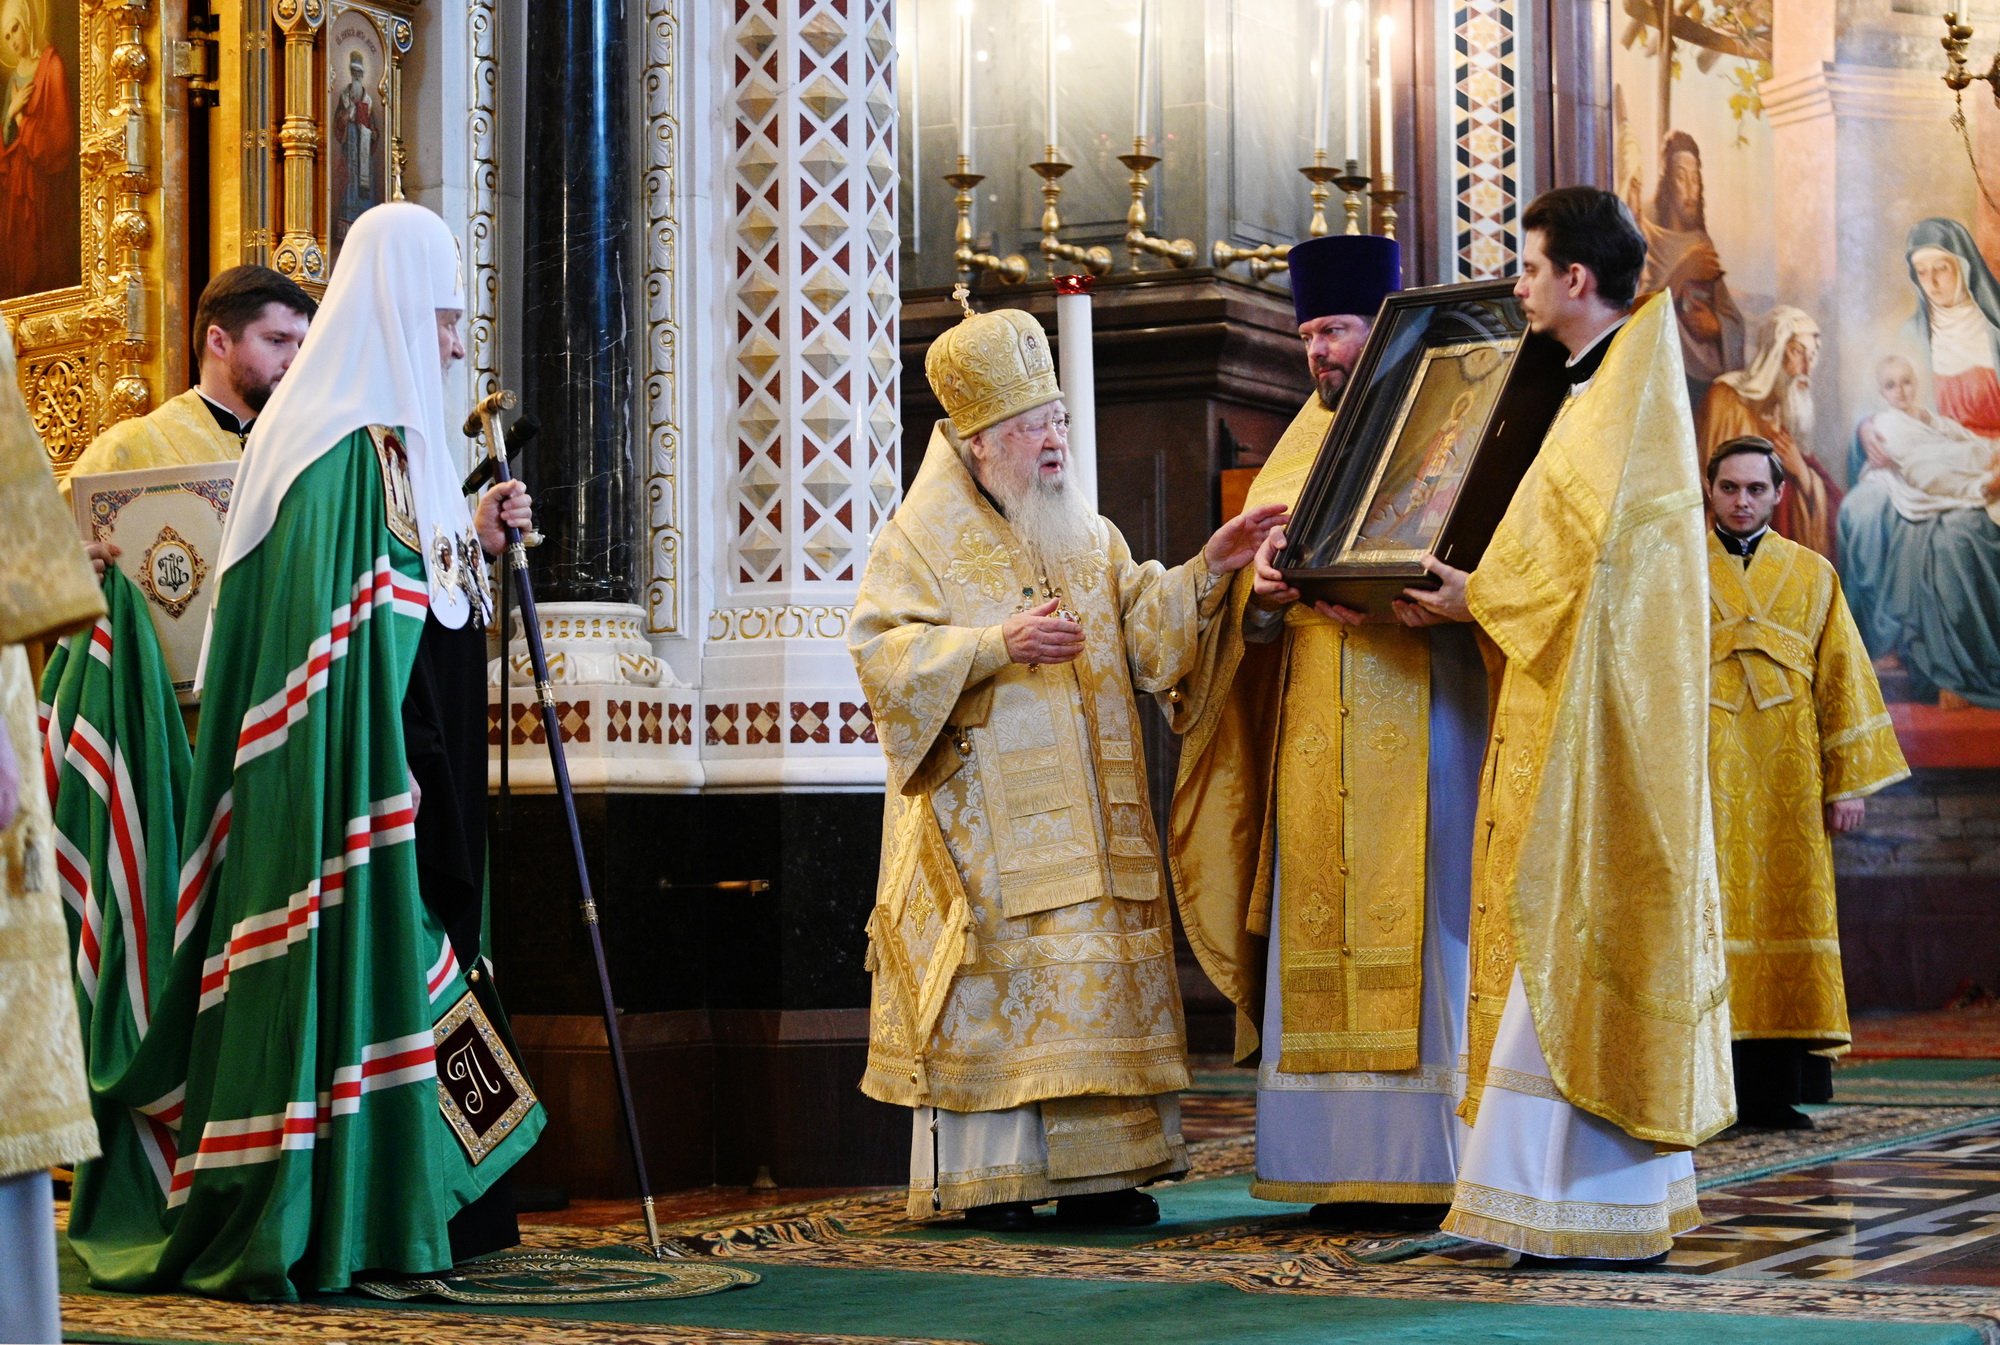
(1446, 409)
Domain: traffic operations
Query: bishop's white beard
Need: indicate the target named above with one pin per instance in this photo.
(1051, 518)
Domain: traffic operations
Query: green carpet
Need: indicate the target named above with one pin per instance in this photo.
(1918, 1082)
(795, 1302)
(1202, 1274)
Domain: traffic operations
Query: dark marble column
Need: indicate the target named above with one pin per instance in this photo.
(576, 366)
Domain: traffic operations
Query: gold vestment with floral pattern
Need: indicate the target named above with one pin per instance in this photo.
(46, 590)
(1594, 857)
(1020, 943)
(1796, 721)
(1319, 743)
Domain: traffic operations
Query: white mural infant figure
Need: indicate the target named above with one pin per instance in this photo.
(1933, 463)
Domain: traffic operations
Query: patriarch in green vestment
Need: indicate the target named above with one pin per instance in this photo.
(300, 1067)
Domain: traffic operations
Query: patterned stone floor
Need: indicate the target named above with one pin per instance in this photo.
(1924, 1212)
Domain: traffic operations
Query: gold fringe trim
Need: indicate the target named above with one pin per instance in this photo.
(1021, 897)
(1091, 1135)
(1680, 1213)
(1544, 1242)
(1036, 1185)
(1382, 1193)
(888, 1080)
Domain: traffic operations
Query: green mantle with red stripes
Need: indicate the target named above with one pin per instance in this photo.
(293, 1080)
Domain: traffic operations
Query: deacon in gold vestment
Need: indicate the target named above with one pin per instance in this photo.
(1024, 1002)
(1798, 735)
(46, 591)
(1321, 837)
(1598, 1024)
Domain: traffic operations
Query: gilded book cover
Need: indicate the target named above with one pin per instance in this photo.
(167, 524)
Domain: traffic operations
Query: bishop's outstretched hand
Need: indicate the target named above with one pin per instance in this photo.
(1236, 542)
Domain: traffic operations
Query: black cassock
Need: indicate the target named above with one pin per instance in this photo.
(444, 735)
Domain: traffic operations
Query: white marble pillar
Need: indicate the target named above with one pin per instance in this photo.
(804, 461)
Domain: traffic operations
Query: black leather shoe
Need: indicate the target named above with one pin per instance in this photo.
(1007, 1216)
(1129, 1208)
(1784, 1118)
(1376, 1216)
(1528, 1261)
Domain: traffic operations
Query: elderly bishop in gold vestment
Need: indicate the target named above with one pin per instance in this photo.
(1798, 736)
(1598, 1024)
(1025, 1002)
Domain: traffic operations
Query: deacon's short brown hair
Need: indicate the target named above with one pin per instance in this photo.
(1747, 443)
(237, 297)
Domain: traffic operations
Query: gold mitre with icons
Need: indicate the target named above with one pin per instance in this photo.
(990, 367)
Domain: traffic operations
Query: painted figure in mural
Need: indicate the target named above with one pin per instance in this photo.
(1920, 544)
(1957, 323)
(1934, 464)
(38, 182)
(1681, 258)
(1798, 737)
(1772, 399)
(354, 132)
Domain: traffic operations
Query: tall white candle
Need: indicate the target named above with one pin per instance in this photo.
(1354, 78)
(1386, 29)
(965, 79)
(1323, 95)
(1142, 100)
(1079, 380)
(1049, 66)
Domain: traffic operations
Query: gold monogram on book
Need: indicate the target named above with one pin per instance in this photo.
(481, 1091)
(172, 571)
(399, 500)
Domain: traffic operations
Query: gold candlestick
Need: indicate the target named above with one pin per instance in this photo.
(1269, 259)
(1095, 259)
(1013, 268)
(1352, 183)
(1264, 259)
(1138, 242)
(1386, 196)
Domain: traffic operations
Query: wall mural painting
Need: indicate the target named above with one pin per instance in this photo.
(1901, 491)
(41, 216)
